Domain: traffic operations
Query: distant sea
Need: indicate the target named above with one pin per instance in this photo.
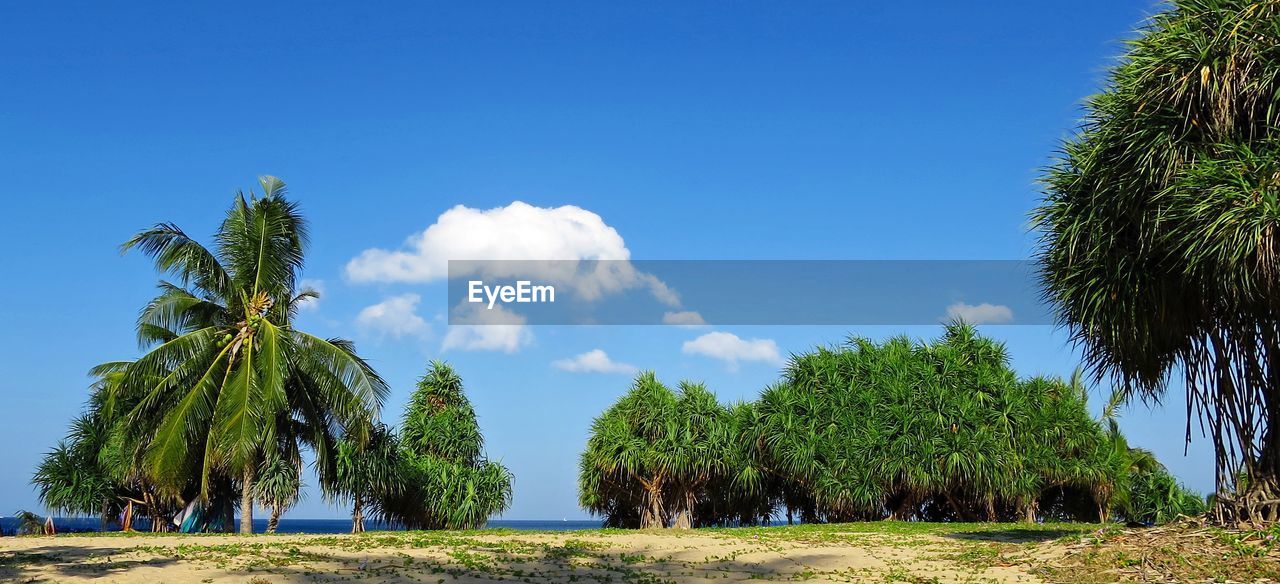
(9, 525)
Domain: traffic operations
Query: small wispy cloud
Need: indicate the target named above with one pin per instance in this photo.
(496, 329)
(731, 349)
(684, 318)
(395, 317)
(593, 361)
(984, 313)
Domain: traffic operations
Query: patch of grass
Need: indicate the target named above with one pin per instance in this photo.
(961, 551)
(1176, 552)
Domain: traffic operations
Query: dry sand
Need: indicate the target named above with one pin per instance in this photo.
(645, 557)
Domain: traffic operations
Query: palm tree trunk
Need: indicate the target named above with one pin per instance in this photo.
(127, 524)
(246, 501)
(274, 522)
(357, 514)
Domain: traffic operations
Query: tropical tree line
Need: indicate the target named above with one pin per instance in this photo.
(932, 431)
(228, 394)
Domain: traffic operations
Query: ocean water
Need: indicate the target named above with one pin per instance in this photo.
(9, 525)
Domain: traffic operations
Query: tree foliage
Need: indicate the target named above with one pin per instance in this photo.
(444, 479)
(367, 471)
(940, 430)
(654, 455)
(228, 388)
(1160, 246)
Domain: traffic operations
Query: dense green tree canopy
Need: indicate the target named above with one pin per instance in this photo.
(655, 454)
(940, 430)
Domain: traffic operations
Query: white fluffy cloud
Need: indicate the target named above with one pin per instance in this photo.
(396, 317)
(684, 318)
(732, 350)
(593, 361)
(984, 313)
(518, 232)
(496, 329)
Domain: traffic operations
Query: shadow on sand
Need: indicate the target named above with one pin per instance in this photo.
(70, 561)
(1014, 535)
(555, 564)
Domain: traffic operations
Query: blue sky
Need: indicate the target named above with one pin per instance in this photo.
(712, 130)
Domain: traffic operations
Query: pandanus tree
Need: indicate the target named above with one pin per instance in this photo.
(1061, 449)
(227, 374)
(701, 437)
(279, 480)
(95, 470)
(899, 429)
(446, 480)
(739, 490)
(367, 470)
(72, 479)
(1161, 233)
(940, 430)
(660, 457)
(625, 471)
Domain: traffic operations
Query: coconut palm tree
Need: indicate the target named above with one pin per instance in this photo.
(1161, 233)
(226, 365)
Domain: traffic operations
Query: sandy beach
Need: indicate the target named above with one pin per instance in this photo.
(838, 553)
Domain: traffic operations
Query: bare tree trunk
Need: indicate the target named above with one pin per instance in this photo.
(127, 524)
(684, 519)
(357, 514)
(246, 502)
(1029, 510)
(652, 516)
